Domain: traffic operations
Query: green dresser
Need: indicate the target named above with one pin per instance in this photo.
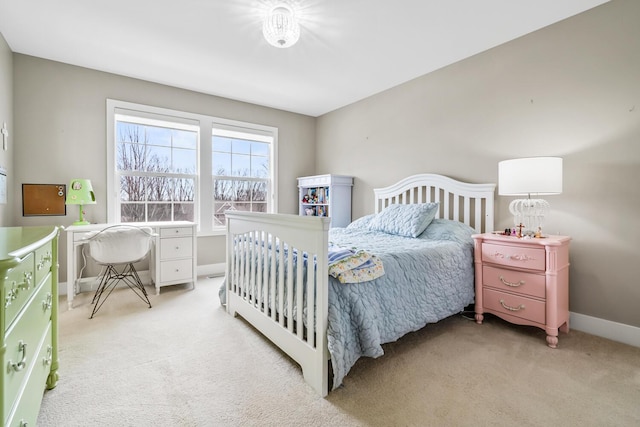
(28, 320)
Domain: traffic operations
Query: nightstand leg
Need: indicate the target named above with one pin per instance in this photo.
(552, 341)
(479, 318)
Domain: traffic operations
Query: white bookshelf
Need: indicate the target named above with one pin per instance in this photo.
(326, 195)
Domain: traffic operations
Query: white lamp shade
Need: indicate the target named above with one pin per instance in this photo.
(532, 175)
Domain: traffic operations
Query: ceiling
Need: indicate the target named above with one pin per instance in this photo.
(348, 49)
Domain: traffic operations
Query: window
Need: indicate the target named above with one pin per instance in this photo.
(161, 166)
(241, 165)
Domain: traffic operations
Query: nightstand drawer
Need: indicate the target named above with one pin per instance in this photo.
(514, 280)
(514, 305)
(514, 256)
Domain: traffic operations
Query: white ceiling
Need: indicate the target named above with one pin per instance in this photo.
(348, 49)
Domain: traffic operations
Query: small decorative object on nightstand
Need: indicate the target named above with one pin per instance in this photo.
(524, 281)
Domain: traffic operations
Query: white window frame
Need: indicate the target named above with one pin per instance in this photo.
(203, 209)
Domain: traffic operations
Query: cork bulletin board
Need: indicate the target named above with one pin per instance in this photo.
(44, 199)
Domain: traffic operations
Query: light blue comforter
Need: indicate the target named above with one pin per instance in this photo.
(426, 279)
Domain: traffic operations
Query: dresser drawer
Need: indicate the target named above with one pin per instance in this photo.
(172, 271)
(176, 232)
(179, 247)
(27, 409)
(18, 287)
(514, 305)
(514, 280)
(514, 256)
(22, 340)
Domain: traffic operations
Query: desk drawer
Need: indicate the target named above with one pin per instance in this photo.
(172, 271)
(514, 256)
(180, 247)
(22, 340)
(176, 232)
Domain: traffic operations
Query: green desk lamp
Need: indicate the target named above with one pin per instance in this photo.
(80, 193)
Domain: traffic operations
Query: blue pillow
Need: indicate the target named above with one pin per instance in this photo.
(404, 220)
(362, 222)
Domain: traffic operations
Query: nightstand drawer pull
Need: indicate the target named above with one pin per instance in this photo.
(21, 364)
(520, 307)
(513, 285)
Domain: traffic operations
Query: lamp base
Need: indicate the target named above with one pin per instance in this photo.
(530, 213)
(81, 222)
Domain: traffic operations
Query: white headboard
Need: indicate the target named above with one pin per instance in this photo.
(471, 204)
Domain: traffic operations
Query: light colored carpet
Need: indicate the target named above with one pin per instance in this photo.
(185, 362)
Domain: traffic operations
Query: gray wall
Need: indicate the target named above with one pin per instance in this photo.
(570, 90)
(60, 115)
(6, 116)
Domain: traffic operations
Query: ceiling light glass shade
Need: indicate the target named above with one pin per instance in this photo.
(281, 28)
(524, 177)
(80, 193)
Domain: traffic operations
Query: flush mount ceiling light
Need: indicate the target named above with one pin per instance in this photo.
(281, 28)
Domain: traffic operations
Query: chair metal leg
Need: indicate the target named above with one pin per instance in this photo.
(110, 280)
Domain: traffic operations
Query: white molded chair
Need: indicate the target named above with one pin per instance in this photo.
(119, 246)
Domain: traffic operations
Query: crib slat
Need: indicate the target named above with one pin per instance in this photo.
(299, 294)
(272, 276)
(289, 287)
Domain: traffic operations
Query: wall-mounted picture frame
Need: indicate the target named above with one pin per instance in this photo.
(44, 199)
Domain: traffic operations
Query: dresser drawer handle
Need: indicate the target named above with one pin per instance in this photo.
(46, 361)
(22, 346)
(11, 295)
(520, 307)
(513, 285)
(46, 304)
(27, 280)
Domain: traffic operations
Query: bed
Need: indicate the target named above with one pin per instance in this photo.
(285, 273)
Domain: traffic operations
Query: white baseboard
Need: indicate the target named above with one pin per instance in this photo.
(620, 332)
(211, 269)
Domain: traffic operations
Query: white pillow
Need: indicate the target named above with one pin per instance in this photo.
(405, 220)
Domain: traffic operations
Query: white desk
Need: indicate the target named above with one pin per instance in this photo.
(173, 257)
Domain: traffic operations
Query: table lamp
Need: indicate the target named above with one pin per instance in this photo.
(525, 177)
(80, 193)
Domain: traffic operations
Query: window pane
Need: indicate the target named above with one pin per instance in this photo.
(159, 212)
(185, 139)
(159, 188)
(184, 161)
(260, 167)
(157, 135)
(184, 190)
(259, 191)
(241, 165)
(260, 149)
(221, 164)
(132, 188)
(241, 146)
(132, 212)
(183, 212)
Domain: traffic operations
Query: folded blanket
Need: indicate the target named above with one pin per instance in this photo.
(353, 266)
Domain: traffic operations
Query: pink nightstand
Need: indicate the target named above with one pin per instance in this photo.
(524, 281)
